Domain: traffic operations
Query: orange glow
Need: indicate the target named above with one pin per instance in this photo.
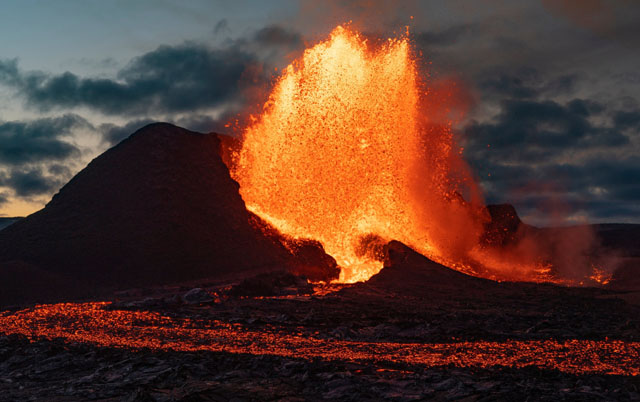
(600, 276)
(350, 144)
(354, 149)
(91, 323)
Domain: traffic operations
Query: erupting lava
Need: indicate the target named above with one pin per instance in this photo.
(344, 153)
(349, 151)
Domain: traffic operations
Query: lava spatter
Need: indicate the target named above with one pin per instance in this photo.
(345, 149)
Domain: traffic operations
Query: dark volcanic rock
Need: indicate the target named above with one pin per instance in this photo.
(311, 261)
(408, 272)
(619, 237)
(627, 275)
(271, 284)
(197, 296)
(159, 207)
(52, 371)
(503, 227)
(4, 222)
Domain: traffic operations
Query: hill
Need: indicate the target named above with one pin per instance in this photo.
(160, 207)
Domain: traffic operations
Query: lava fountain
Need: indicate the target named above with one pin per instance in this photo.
(347, 151)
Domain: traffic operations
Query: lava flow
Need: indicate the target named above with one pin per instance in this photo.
(91, 323)
(346, 152)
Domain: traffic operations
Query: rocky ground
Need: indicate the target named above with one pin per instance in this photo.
(53, 370)
(50, 369)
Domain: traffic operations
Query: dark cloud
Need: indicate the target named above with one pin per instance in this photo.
(38, 140)
(598, 187)
(444, 37)
(9, 72)
(113, 134)
(509, 86)
(222, 27)
(272, 45)
(562, 84)
(586, 107)
(107, 62)
(525, 83)
(620, 177)
(180, 78)
(31, 182)
(537, 210)
(170, 79)
(612, 19)
(626, 120)
(611, 211)
(28, 149)
(613, 179)
(207, 124)
(4, 198)
(59, 170)
(537, 130)
(527, 153)
(276, 35)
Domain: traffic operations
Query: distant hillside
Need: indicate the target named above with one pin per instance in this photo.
(574, 251)
(4, 222)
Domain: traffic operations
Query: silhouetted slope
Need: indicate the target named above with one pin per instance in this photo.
(410, 273)
(622, 242)
(159, 207)
(625, 238)
(4, 222)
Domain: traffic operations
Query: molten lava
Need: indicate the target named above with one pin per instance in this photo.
(91, 323)
(345, 151)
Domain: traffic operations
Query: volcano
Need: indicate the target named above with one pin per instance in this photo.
(424, 292)
(4, 222)
(160, 207)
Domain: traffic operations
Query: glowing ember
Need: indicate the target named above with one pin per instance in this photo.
(91, 323)
(347, 148)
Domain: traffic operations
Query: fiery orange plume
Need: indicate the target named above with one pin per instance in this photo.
(343, 153)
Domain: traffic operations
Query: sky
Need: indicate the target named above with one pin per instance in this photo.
(551, 89)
